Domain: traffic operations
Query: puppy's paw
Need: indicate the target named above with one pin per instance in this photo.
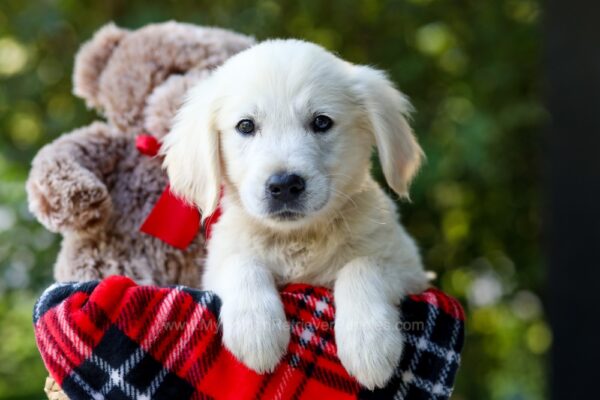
(369, 348)
(258, 337)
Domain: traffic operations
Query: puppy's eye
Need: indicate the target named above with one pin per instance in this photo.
(321, 123)
(245, 127)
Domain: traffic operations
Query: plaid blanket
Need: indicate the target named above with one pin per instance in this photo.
(114, 339)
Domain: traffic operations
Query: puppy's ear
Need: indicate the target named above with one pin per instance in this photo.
(387, 110)
(191, 149)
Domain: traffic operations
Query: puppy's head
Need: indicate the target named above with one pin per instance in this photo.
(288, 128)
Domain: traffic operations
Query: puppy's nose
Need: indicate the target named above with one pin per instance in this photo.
(285, 187)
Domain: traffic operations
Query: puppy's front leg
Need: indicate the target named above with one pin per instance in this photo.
(369, 343)
(255, 329)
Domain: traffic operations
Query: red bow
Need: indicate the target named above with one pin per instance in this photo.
(172, 220)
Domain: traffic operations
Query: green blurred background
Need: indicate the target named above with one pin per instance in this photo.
(471, 67)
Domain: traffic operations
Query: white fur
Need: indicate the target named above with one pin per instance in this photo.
(349, 238)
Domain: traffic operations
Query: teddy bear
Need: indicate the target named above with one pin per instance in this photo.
(94, 185)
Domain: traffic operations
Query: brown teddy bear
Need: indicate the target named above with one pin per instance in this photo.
(93, 185)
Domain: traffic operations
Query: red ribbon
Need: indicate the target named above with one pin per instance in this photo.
(148, 145)
(172, 219)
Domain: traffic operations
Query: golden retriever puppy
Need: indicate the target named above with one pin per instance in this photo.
(285, 130)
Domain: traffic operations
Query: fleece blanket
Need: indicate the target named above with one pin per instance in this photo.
(113, 339)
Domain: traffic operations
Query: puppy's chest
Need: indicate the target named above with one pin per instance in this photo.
(307, 261)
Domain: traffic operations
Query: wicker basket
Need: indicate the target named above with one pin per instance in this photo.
(53, 391)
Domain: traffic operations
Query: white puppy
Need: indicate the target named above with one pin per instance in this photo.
(286, 129)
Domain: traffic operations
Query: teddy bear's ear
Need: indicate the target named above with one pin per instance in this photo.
(91, 61)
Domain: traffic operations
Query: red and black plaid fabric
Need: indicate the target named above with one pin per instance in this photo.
(116, 340)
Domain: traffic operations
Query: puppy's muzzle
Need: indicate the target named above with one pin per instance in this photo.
(284, 192)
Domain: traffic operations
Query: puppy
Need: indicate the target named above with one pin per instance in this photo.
(284, 130)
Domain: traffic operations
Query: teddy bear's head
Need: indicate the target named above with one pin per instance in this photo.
(137, 79)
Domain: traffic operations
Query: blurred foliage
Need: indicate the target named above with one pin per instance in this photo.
(469, 66)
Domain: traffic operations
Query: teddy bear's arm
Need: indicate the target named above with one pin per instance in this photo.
(66, 186)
